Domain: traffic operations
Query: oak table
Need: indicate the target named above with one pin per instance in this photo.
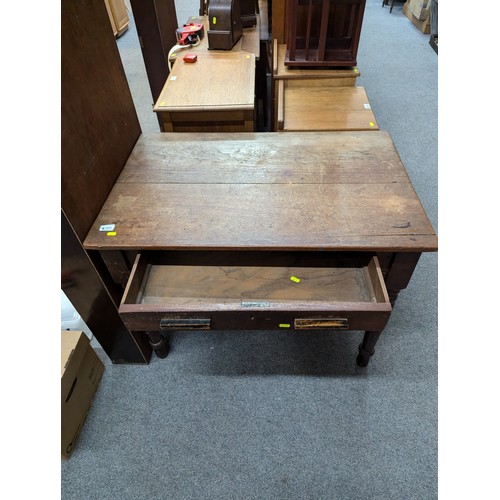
(214, 94)
(300, 231)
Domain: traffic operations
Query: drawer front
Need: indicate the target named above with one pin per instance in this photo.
(208, 121)
(321, 82)
(293, 294)
(152, 320)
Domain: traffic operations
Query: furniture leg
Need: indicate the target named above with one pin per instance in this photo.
(399, 273)
(159, 344)
(367, 348)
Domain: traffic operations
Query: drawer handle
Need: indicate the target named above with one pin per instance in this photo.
(185, 323)
(321, 323)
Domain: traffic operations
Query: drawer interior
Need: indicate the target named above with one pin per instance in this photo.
(219, 278)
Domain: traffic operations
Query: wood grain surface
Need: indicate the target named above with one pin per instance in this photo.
(216, 81)
(298, 158)
(318, 108)
(182, 284)
(270, 191)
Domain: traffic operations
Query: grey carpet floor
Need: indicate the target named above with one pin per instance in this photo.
(283, 415)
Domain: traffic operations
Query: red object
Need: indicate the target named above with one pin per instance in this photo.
(190, 58)
(189, 34)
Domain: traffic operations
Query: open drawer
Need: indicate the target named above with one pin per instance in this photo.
(255, 291)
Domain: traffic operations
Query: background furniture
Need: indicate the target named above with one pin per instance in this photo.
(303, 107)
(156, 22)
(248, 10)
(323, 33)
(214, 94)
(217, 93)
(249, 41)
(305, 77)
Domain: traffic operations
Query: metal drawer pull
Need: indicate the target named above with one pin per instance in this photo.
(321, 323)
(185, 323)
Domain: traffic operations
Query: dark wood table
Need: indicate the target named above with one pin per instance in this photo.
(304, 231)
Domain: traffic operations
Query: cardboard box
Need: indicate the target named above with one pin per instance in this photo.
(420, 8)
(423, 26)
(81, 372)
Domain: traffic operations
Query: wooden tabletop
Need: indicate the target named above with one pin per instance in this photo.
(264, 191)
(216, 81)
(324, 108)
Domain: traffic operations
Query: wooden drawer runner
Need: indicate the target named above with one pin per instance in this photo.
(255, 291)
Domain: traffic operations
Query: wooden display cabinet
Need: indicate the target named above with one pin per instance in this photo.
(323, 32)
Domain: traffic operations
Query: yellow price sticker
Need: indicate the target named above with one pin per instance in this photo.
(284, 325)
(214, 20)
(372, 124)
(295, 279)
(111, 233)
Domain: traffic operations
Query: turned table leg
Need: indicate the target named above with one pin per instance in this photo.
(159, 344)
(398, 270)
(367, 348)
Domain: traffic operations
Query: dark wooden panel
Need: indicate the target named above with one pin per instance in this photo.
(85, 289)
(156, 22)
(98, 120)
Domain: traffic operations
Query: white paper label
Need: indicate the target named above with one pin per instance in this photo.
(107, 227)
(255, 304)
(367, 106)
(173, 78)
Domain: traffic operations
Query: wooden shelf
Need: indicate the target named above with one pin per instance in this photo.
(302, 108)
(323, 33)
